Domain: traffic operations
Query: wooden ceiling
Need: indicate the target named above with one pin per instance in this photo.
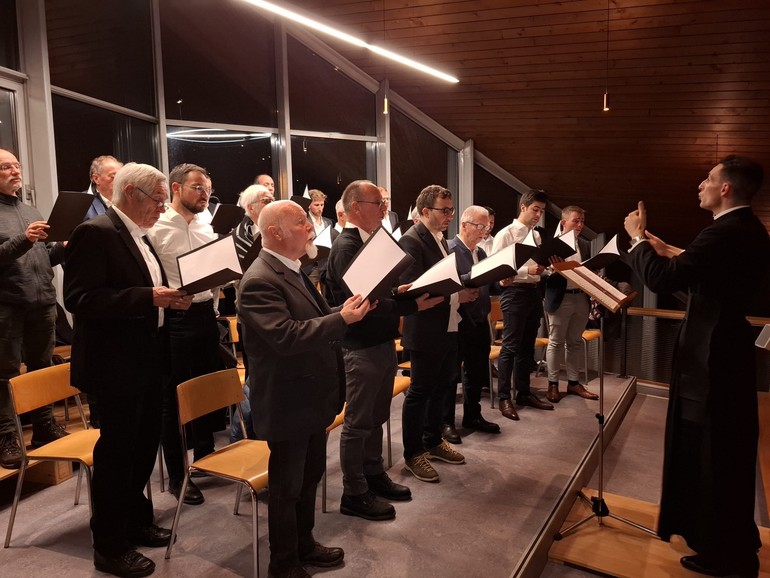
(688, 83)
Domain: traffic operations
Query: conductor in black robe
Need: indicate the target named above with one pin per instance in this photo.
(712, 425)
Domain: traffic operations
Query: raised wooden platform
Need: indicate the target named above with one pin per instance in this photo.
(617, 549)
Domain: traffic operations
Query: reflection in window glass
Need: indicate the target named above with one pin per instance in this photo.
(9, 35)
(330, 166)
(103, 49)
(417, 159)
(218, 62)
(83, 132)
(232, 158)
(322, 98)
(489, 191)
(8, 122)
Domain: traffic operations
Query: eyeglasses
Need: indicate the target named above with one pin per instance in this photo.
(158, 204)
(478, 226)
(447, 211)
(200, 189)
(10, 166)
(266, 200)
(378, 203)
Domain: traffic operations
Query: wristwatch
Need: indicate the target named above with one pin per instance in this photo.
(636, 239)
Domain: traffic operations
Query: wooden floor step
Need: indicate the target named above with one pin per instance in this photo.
(617, 549)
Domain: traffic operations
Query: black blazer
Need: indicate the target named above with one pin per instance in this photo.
(477, 310)
(556, 284)
(424, 330)
(290, 335)
(116, 344)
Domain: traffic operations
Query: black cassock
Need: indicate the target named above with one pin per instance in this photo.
(712, 424)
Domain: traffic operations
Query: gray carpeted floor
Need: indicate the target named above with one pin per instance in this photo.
(477, 522)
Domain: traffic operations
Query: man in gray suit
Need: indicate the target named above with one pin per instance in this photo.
(291, 338)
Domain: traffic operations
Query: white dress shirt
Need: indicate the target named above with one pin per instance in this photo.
(516, 232)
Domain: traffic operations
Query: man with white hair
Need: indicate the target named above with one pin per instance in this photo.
(115, 287)
(290, 337)
(252, 199)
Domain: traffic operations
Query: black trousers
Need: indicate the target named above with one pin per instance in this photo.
(522, 307)
(472, 367)
(296, 466)
(194, 343)
(124, 458)
(431, 374)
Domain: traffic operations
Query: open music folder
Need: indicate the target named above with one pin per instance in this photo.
(500, 265)
(563, 247)
(593, 285)
(375, 269)
(608, 255)
(226, 218)
(212, 265)
(441, 279)
(68, 212)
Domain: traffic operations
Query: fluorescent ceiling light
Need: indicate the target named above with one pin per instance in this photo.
(315, 25)
(215, 135)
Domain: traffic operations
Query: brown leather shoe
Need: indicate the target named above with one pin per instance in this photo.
(507, 409)
(531, 400)
(553, 394)
(581, 391)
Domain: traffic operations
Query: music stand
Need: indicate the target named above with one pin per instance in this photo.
(599, 508)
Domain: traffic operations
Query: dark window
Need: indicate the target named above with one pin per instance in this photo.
(328, 165)
(322, 98)
(489, 191)
(83, 132)
(9, 35)
(232, 158)
(417, 159)
(218, 62)
(103, 50)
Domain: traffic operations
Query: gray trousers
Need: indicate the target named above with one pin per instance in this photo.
(565, 332)
(370, 373)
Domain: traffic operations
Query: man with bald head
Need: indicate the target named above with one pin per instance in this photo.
(291, 337)
(370, 365)
(266, 181)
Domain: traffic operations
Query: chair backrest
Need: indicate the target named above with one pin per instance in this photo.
(41, 387)
(207, 393)
(496, 312)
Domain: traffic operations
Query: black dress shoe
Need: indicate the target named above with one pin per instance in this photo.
(131, 564)
(507, 409)
(47, 432)
(482, 425)
(151, 536)
(192, 495)
(449, 433)
(531, 400)
(384, 487)
(322, 557)
(366, 506)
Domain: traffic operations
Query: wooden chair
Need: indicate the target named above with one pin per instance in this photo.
(338, 420)
(37, 389)
(244, 462)
(589, 335)
(400, 385)
(496, 320)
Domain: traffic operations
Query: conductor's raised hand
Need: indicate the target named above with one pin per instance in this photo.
(661, 247)
(636, 221)
(354, 309)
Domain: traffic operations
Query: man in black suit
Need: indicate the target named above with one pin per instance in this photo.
(291, 338)
(567, 308)
(114, 287)
(712, 425)
(370, 366)
(102, 173)
(430, 337)
(473, 332)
